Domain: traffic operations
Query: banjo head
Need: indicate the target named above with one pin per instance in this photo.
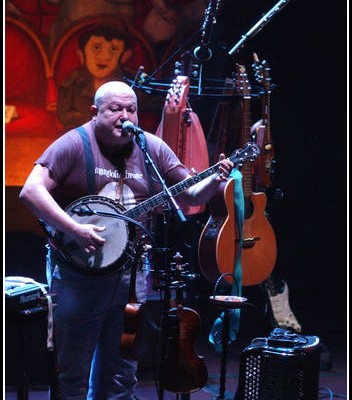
(101, 211)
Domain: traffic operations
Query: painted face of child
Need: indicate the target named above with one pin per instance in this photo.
(102, 56)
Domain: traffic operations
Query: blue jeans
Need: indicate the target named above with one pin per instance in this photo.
(88, 322)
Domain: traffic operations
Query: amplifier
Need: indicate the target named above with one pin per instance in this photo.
(23, 293)
(284, 365)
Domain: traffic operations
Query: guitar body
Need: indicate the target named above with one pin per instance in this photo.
(259, 249)
(216, 247)
(182, 370)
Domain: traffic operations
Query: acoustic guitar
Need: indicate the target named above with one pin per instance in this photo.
(182, 370)
(259, 248)
(218, 243)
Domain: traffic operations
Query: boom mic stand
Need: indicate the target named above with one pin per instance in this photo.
(258, 25)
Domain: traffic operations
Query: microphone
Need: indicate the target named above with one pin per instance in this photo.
(130, 129)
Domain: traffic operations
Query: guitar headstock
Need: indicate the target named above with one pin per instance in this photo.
(241, 81)
(177, 94)
(262, 73)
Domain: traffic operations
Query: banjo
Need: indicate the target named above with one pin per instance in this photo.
(120, 223)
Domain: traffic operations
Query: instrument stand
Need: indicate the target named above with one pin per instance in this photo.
(167, 286)
(227, 304)
(224, 354)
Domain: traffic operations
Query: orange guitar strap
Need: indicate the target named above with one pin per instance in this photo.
(215, 336)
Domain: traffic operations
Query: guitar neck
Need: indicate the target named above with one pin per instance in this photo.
(246, 136)
(266, 117)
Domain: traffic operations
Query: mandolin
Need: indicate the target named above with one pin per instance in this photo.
(259, 248)
(182, 370)
(133, 310)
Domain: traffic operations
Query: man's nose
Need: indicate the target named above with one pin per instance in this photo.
(124, 114)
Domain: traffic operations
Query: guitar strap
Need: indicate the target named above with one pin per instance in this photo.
(215, 336)
(88, 153)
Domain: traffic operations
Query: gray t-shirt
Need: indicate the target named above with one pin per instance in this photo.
(65, 158)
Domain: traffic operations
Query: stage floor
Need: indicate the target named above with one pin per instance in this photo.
(332, 383)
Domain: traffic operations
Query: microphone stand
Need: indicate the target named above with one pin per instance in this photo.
(258, 26)
(141, 142)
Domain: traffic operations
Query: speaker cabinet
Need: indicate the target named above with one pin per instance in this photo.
(282, 366)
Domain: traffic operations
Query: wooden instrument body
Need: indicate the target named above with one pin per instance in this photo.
(182, 370)
(259, 249)
(216, 247)
(132, 323)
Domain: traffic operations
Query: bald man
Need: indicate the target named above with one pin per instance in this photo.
(99, 166)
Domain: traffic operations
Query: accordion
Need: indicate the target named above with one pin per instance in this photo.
(284, 365)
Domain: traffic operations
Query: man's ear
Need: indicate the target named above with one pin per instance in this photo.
(80, 56)
(93, 110)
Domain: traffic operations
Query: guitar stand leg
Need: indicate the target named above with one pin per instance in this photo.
(224, 342)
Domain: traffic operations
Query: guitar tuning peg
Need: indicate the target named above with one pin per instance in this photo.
(177, 71)
(177, 64)
(195, 74)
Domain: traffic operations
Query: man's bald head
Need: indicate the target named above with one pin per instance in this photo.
(113, 87)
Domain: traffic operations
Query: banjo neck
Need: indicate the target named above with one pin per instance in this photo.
(89, 209)
(249, 151)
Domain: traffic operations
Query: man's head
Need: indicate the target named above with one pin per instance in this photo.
(101, 50)
(114, 103)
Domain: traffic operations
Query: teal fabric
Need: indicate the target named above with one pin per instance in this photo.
(236, 289)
